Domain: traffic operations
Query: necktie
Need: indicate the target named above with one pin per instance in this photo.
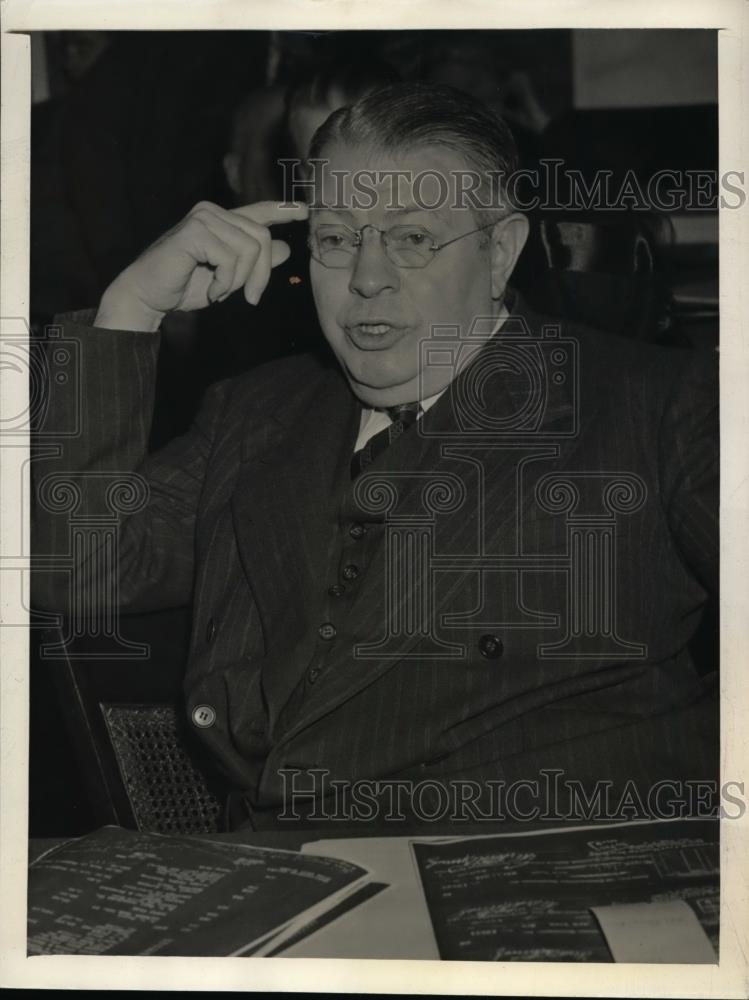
(402, 416)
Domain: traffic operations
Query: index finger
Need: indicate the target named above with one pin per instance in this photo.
(266, 213)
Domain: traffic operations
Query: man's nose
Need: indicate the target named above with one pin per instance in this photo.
(373, 270)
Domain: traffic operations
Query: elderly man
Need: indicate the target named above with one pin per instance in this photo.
(467, 558)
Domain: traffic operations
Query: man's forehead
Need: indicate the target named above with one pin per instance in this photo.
(349, 214)
(350, 178)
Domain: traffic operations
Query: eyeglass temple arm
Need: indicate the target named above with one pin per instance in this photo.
(455, 239)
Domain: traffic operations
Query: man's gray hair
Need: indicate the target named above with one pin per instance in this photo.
(404, 116)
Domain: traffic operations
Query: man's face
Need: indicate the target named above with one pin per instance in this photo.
(375, 314)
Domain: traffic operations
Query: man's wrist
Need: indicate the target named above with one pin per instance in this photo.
(120, 311)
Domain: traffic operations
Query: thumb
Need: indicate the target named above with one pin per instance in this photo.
(279, 252)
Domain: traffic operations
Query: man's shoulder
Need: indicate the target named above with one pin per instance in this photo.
(272, 385)
(606, 360)
(292, 368)
(655, 372)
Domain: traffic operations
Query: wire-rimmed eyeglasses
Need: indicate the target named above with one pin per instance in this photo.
(336, 245)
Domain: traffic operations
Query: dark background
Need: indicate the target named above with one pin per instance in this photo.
(129, 130)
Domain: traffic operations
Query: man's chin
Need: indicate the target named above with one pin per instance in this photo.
(381, 391)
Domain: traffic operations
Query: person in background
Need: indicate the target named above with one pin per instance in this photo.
(312, 99)
(257, 143)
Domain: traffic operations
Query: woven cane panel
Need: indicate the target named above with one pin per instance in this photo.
(168, 794)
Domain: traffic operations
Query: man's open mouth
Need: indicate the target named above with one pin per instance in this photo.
(375, 335)
(374, 327)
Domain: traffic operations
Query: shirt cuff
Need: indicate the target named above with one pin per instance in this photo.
(86, 317)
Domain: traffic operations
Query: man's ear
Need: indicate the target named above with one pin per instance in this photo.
(231, 172)
(507, 241)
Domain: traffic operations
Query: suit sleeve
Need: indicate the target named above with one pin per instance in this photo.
(689, 464)
(110, 525)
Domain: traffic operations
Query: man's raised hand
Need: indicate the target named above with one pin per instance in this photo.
(211, 253)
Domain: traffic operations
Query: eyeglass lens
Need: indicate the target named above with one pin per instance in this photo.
(406, 246)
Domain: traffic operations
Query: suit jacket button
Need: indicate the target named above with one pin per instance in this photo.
(312, 674)
(491, 646)
(350, 572)
(327, 631)
(210, 631)
(204, 716)
(336, 590)
(357, 531)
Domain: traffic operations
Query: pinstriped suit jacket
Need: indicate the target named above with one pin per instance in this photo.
(536, 556)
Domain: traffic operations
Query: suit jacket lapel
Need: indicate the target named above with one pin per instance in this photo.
(286, 498)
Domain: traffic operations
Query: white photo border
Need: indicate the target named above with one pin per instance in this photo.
(727, 979)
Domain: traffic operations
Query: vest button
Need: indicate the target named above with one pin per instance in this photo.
(204, 716)
(357, 531)
(312, 674)
(327, 630)
(210, 631)
(336, 590)
(491, 646)
(350, 572)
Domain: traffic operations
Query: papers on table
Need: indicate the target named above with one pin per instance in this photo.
(634, 891)
(528, 897)
(523, 896)
(118, 892)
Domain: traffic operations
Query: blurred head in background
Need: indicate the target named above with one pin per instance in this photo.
(508, 89)
(312, 99)
(279, 122)
(256, 144)
(81, 50)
